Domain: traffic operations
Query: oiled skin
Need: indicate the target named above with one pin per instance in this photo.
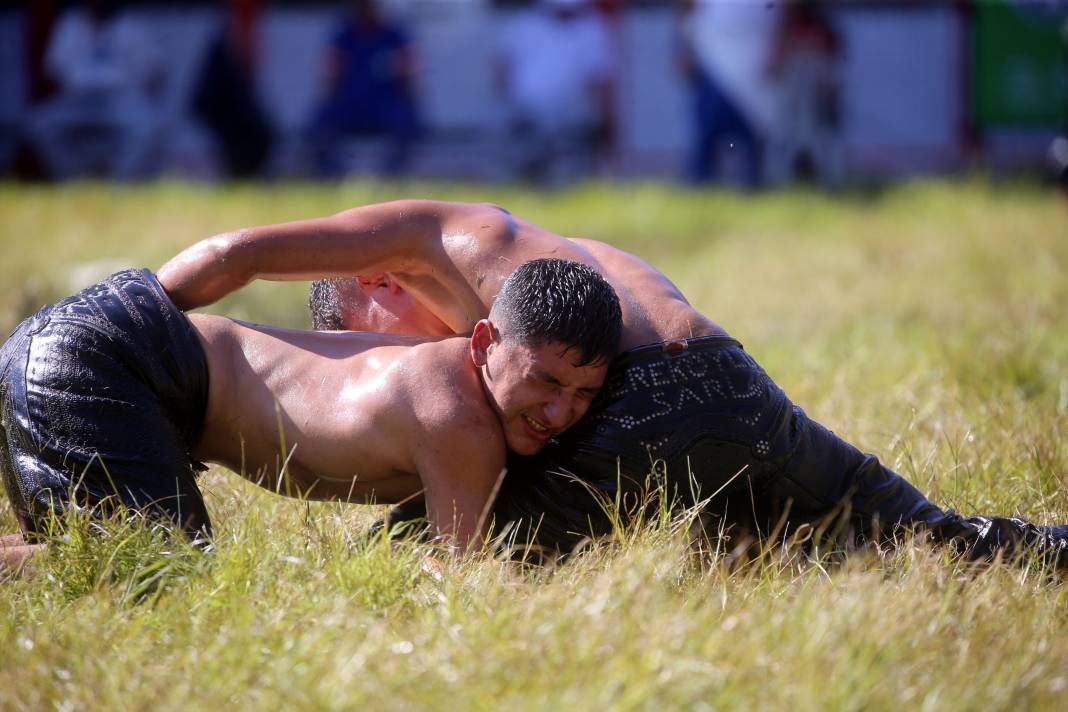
(451, 257)
(355, 417)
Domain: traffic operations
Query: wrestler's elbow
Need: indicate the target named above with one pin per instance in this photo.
(204, 273)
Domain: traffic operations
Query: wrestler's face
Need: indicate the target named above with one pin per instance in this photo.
(377, 303)
(537, 391)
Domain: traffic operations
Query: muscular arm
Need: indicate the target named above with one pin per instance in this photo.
(457, 445)
(403, 237)
(460, 476)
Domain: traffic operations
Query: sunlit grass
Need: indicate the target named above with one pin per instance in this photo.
(926, 323)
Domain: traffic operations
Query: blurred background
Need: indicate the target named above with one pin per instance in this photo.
(752, 94)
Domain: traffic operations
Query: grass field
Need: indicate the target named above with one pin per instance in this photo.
(927, 323)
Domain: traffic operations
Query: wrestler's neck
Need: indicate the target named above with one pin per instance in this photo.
(409, 318)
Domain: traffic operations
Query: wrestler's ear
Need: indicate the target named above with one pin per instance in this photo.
(483, 336)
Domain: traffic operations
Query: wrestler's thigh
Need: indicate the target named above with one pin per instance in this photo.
(93, 422)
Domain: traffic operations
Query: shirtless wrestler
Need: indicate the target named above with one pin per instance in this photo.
(684, 400)
(113, 395)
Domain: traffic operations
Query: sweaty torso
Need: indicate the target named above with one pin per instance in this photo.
(337, 412)
(484, 244)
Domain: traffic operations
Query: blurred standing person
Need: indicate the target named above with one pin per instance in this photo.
(554, 73)
(369, 72)
(109, 76)
(804, 62)
(225, 97)
(723, 52)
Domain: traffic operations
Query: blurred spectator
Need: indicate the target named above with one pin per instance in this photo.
(369, 70)
(225, 99)
(723, 53)
(805, 56)
(555, 75)
(105, 114)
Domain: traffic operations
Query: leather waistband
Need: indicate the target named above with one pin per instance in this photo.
(674, 347)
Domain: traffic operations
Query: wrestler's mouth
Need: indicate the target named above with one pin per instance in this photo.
(536, 429)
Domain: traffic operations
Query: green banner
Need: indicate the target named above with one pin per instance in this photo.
(1019, 70)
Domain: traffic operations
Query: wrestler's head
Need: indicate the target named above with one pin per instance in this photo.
(372, 302)
(544, 350)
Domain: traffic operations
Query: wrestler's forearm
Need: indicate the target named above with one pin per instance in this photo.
(458, 513)
(460, 535)
(386, 237)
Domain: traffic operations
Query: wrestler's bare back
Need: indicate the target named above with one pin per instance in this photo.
(452, 258)
(348, 416)
(486, 243)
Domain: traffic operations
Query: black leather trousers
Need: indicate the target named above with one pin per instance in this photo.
(703, 421)
(102, 395)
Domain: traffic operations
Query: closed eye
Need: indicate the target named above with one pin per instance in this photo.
(547, 379)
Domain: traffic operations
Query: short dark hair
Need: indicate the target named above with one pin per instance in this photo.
(325, 305)
(559, 301)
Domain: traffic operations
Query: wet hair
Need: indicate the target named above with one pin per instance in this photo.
(563, 302)
(325, 305)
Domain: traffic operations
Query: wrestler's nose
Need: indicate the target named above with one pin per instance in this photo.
(558, 411)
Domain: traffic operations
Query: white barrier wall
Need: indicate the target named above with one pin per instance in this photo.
(903, 100)
(902, 73)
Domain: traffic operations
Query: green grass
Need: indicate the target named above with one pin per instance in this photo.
(926, 323)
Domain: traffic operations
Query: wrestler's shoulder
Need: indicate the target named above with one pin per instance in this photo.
(212, 326)
(485, 222)
(441, 372)
(443, 383)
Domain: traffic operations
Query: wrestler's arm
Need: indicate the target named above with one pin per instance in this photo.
(461, 474)
(403, 237)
